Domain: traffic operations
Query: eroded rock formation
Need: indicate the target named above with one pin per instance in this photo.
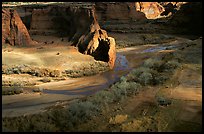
(14, 31)
(152, 10)
(96, 42)
(117, 12)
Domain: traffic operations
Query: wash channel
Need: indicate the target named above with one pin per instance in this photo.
(64, 91)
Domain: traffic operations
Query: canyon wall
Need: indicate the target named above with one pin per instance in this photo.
(14, 31)
(126, 16)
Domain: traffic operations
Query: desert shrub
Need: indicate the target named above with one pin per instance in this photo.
(124, 88)
(133, 88)
(39, 89)
(16, 71)
(142, 75)
(18, 90)
(9, 92)
(12, 91)
(145, 78)
(123, 79)
(46, 80)
(8, 71)
(34, 123)
(138, 71)
(24, 69)
(131, 77)
(102, 98)
(119, 90)
(150, 63)
(163, 101)
(82, 111)
(151, 72)
(55, 73)
(159, 78)
(87, 69)
(170, 66)
(32, 70)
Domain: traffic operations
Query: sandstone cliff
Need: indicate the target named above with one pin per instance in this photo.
(14, 31)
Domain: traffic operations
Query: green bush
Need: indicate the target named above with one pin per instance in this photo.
(81, 111)
(119, 92)
(170, 65)
(145, 78)
(46, 80)
(133, 88)
(102, 98)
(12, 91)
(159, 78)
(152, 72)
(138, 71)
(40, 89)
(151, 62)
(124, 88)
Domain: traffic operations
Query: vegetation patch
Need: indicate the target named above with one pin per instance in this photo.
(87, 70)
(40, 89)
(12, 90)
(32, 70)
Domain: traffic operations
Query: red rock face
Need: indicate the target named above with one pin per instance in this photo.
(151, 9)
(128, 11)
(118, 11)
(111, 52)
(97, 43)
(14, 31)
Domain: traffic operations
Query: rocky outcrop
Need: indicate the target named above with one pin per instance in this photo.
(96, 42)
(14, 31)
(152, 10)
(114, 11)
(126, 17)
